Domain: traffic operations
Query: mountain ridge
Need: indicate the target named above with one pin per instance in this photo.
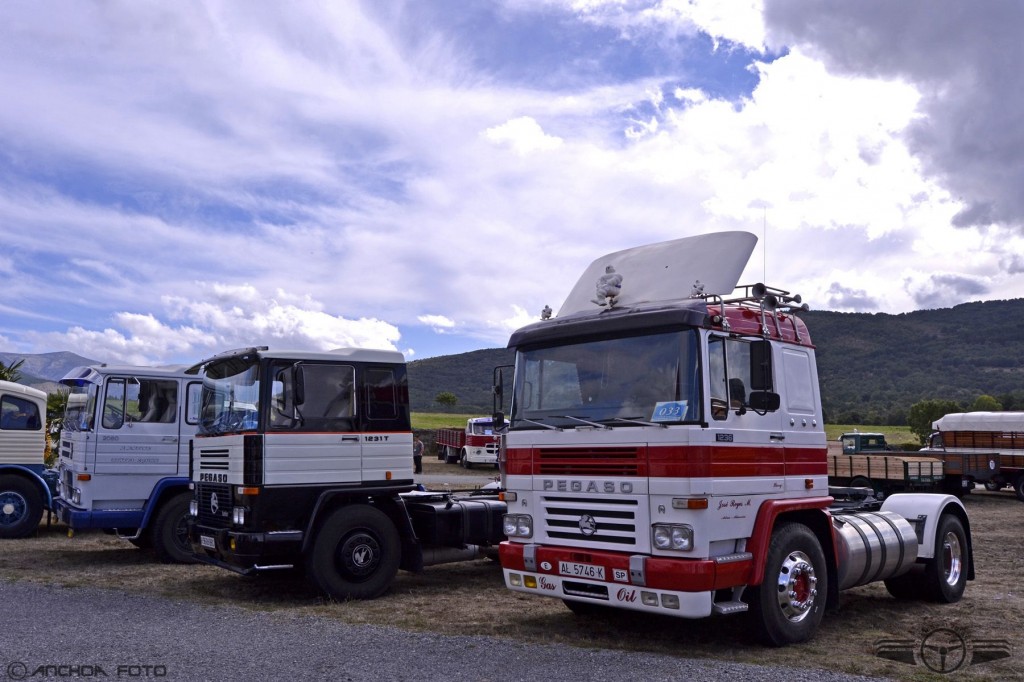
(872, 367)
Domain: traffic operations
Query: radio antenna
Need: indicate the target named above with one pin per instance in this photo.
(764, 243)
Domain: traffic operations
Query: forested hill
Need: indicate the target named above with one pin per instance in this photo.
(872, 367)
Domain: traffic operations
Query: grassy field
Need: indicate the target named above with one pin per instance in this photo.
(894, 435)
(438, 420)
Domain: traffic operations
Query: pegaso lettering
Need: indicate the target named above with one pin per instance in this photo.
(566, 486)
(213, 478)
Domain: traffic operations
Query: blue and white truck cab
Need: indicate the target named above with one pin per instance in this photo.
(124, 454)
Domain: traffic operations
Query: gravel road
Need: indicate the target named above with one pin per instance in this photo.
(49, 632)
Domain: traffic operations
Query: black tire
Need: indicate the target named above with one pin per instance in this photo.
(993, 486)
(144, 541)
(355, 554)
(1018, 487)
(169, 531)
(906, 587)
(945, 576)
(789, 603)
(585, 609)
(21, 507)
(464, 460)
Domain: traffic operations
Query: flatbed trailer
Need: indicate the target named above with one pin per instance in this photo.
(983, 447)
(886, 474)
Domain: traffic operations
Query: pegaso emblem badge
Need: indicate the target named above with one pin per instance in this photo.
(588, 526)
(214, 503)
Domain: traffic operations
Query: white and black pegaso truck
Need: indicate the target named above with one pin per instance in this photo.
(305, 459)
(666, 453)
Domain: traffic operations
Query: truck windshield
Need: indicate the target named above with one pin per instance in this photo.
(618, 381)
(230, 400)
(81, 405)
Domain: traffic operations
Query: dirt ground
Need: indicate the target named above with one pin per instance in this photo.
(469, 598)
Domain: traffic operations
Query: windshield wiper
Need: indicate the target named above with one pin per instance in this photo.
(637, 420)
(546, 426)
(584, 421)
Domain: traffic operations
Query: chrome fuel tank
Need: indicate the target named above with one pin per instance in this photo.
(873, 546)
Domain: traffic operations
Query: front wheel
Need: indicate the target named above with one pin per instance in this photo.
(355, 554)
(945, 575)
(169, 534)
(789, 603)
(21, 507)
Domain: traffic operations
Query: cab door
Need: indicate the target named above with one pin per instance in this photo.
(747, 442)
(138, 429)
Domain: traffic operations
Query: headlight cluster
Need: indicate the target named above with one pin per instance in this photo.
(193, 508)
(677, 536)
(518, 525)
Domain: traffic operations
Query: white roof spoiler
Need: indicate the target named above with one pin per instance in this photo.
(666, 271)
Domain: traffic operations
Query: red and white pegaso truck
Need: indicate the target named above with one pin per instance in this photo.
(476, 444)
(666, 454)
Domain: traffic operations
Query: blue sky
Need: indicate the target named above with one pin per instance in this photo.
(177, 179)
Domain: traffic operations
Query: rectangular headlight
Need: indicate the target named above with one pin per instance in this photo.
(672, 536)
(517, 525)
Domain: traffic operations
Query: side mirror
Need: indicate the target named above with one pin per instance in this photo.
(764, 401)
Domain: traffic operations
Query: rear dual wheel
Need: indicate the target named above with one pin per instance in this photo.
(945, 575)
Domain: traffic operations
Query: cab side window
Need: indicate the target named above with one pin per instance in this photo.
(18, 414)
(735, 368)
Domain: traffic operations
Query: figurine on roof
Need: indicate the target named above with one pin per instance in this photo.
(609, 285)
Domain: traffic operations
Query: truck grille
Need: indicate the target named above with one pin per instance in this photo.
(603, 461)
(215, 459)
(593, 522)
(214, 504)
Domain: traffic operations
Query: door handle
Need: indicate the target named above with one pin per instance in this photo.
(350, 439)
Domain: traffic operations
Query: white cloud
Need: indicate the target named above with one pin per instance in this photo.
(439, 323)
(325, 175)
(231, 317)
(523, 136)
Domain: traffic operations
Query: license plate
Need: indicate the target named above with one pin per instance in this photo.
(581, 570)
(207, 542)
